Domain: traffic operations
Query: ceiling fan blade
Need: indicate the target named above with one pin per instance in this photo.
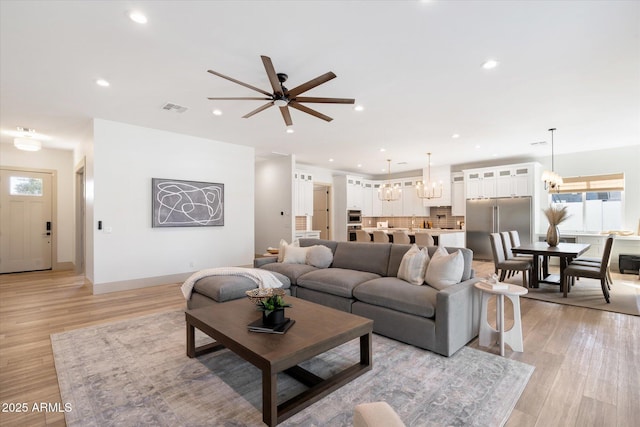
(257, 110)
(239, 82)
(311, 84)
(305, 109)
(286, 115)
(325, 100)
(229, 99)
(271, 73)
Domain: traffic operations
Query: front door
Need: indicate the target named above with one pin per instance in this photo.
(25, 221)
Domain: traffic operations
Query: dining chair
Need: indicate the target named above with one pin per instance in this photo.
(594, 271)
(362, 236)
(401, 237)
(504, 266)
(424, 239)
(595, 261)
(380, 237)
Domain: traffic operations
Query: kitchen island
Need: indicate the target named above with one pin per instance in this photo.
(441, 236)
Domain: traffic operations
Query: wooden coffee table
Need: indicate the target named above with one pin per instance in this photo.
(317, 330)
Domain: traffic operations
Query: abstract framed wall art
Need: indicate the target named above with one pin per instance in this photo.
(179, 203)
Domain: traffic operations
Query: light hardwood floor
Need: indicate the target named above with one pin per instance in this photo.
(586, 360)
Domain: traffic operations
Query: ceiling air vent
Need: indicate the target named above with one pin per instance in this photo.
(170, 106)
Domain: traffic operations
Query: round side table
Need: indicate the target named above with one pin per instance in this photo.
(488, 335)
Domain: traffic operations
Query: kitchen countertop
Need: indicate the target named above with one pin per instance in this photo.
(432, 231)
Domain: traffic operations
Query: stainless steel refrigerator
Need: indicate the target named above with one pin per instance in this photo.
(493, 216)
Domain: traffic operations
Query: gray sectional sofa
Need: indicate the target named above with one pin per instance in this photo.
(362, 280)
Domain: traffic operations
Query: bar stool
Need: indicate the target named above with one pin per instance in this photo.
(488, 335)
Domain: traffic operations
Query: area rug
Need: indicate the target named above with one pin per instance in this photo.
(135, 372)
(624, 295)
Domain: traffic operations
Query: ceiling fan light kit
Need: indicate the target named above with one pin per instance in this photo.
(283, 97)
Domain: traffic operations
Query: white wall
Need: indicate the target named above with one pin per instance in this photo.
(126, 157)
(274, 219)
(60, 161)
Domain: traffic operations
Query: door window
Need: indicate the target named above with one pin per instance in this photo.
(25, 186)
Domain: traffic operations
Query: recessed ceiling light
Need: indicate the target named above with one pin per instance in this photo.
(102, 82)
(290, 130)
(358, 108)
(330, 160)
(477, 147)
(359, 165)
(382, 150)
(138, 17)
(217, 112)
(490, 64)
(455, 136)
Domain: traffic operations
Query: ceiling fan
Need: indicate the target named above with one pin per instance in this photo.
(285, 98)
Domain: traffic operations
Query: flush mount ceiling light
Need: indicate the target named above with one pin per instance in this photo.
(138, 17)
(552, 181)
(389, 192)
(27, 144)
(490, 64)
(429, 190)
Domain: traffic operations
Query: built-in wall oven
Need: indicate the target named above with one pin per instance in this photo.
(354, 216)
(351, 231)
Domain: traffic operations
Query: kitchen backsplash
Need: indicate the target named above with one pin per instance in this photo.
(440, 217)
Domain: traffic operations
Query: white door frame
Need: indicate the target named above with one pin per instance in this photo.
(80, 218)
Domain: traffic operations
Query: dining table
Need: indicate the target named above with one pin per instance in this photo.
(564, 251)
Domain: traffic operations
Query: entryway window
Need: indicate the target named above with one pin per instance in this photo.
(24, 186)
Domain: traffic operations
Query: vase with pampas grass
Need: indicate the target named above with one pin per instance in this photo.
(555, 215)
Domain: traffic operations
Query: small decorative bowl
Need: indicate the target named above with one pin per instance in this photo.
(259, 294)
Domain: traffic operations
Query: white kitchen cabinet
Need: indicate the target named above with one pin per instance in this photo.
(355, 197)
(480, 183)
(458, 201)
(515, 181)
(303, 190)
(376, 203)
(367, 198)
(411, 203)
(441, 175)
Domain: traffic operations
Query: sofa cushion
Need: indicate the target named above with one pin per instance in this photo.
(396, 294)
(445, 269)
(331, 244)
(371, 257)
(319, 256)
(335, 281)
(414, 265)
(292, 271)
(396, 253)
(227, 288)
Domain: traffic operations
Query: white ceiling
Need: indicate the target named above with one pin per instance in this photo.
(415, 67)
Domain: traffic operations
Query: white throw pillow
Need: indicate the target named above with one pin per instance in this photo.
(282, 248)
(413, 265)
(319, 256)
(444, 269)
(295, 255)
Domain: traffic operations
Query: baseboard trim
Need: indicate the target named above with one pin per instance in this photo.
(127, 285)
(68, 265)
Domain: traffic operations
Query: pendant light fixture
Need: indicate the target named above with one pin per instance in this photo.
(429, 189)
(388, 192)
(552, 181)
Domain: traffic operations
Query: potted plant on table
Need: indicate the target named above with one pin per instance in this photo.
(271, 302)
(555, 215)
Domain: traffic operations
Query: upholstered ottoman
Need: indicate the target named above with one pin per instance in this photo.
(376, 414)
